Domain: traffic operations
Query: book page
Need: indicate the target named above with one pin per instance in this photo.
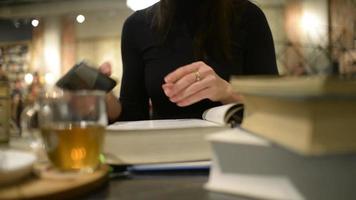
(218, 114)
(161, 124)
(197, 165)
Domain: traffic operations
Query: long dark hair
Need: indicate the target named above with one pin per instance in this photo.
(213, 34)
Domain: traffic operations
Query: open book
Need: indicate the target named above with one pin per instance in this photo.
(167, 141)
(229, 114)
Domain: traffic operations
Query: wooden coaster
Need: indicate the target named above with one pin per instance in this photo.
(47, 187)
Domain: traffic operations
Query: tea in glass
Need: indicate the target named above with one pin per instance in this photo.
(72, 125)
(74, 146)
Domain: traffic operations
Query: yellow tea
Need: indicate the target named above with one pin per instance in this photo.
(73, 147)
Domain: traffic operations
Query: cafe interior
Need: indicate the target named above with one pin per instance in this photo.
(41, 40)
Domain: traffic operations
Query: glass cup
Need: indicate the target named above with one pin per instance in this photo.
(72, 127)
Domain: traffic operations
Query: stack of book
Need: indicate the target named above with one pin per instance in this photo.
(297, 140)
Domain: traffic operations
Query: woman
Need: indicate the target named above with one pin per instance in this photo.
(180, 54)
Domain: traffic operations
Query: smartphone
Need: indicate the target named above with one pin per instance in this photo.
(83, 76)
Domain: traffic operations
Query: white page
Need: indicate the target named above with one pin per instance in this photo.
(217, 114)
(161, 124)
(172, 166)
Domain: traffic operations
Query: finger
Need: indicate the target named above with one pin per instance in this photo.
(181, 85)
(105, 68)
(203, 94)
(192, 89)
(167, 88)
(185, 82)
(182, 71)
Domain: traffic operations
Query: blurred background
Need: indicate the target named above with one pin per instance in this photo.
(41, 39)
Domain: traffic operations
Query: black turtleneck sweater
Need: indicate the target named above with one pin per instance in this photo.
(146, 61)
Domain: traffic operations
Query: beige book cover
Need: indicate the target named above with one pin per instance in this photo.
(159, 141)
(310, 115)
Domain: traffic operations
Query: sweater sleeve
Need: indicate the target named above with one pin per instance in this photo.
(133, 95)
(259, 54)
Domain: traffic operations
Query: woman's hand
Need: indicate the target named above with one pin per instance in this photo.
(106, 68)
(113, 105)
(195, 82)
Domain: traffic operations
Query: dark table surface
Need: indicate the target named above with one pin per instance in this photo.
(158, 185)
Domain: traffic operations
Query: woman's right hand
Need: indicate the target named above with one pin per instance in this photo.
(113, 105)
(197, 81)
(106, 68)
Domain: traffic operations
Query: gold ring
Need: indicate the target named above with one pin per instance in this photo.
(197, 76)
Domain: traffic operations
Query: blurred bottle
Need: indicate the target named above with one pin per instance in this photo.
(4, 107)
(17, 105)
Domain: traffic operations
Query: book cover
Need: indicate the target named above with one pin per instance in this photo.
(309, 115)
(159, 141)
(317, 86)
(245, 164)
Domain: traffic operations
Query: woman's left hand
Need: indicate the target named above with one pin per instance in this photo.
(195, 82)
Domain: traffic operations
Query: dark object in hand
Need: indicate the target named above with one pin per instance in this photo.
(84, 77)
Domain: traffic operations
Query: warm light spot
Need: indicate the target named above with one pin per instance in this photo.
(78, 153)
(28, 78)
(80, 18)
(35, 22)
(310, 22)
(49, 79)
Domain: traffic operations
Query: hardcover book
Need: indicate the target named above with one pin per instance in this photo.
(248, 165)
(165, 141)
(311, 115)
